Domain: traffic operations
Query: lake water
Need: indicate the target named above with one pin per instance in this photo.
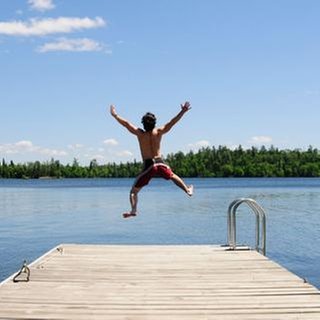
(37, 215)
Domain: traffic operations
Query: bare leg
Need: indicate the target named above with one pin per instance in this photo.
(133, 201)
(180, 183)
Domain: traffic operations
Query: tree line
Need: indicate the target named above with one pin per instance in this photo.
(207, 162)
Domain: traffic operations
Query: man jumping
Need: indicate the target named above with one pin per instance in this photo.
(149, 142)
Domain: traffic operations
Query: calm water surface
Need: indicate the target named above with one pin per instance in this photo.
(37, 215)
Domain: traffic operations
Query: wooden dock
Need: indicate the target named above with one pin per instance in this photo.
(157, 282)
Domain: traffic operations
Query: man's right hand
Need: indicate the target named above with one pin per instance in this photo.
(113, 110)
(186, 106)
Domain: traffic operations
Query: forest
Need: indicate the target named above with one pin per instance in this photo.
(207, 162)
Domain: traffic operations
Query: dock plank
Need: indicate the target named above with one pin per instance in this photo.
(158, 282)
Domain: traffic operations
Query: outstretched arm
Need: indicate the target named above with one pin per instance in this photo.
(133, 129)
(167, 127)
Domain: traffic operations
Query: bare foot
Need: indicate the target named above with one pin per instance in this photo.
(190, 190)
(128, 214)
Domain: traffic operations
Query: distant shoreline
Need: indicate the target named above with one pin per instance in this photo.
(207, 162)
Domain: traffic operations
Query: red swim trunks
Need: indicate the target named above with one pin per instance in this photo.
(152, 168)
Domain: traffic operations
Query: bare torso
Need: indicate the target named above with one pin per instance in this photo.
(149, 143)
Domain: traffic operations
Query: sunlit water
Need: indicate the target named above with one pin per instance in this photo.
(37, 215)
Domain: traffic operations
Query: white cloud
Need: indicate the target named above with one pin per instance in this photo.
(258, 140)
(111, 152)
(41, 5)
(41, 27)
(124, 154)
(199, 144)
(25, 150)
(64, 44)
(25, 146)
(108, 153)
(111, 142)
(75, 146)
(50, 152)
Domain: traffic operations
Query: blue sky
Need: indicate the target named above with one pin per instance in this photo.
(249, 68)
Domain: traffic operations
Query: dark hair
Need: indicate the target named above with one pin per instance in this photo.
(149, 121)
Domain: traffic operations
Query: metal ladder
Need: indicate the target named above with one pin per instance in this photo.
(260, 222)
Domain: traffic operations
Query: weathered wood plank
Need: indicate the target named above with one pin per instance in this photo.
(158, 282)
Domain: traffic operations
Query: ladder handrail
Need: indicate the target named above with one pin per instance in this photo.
(260, 220)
